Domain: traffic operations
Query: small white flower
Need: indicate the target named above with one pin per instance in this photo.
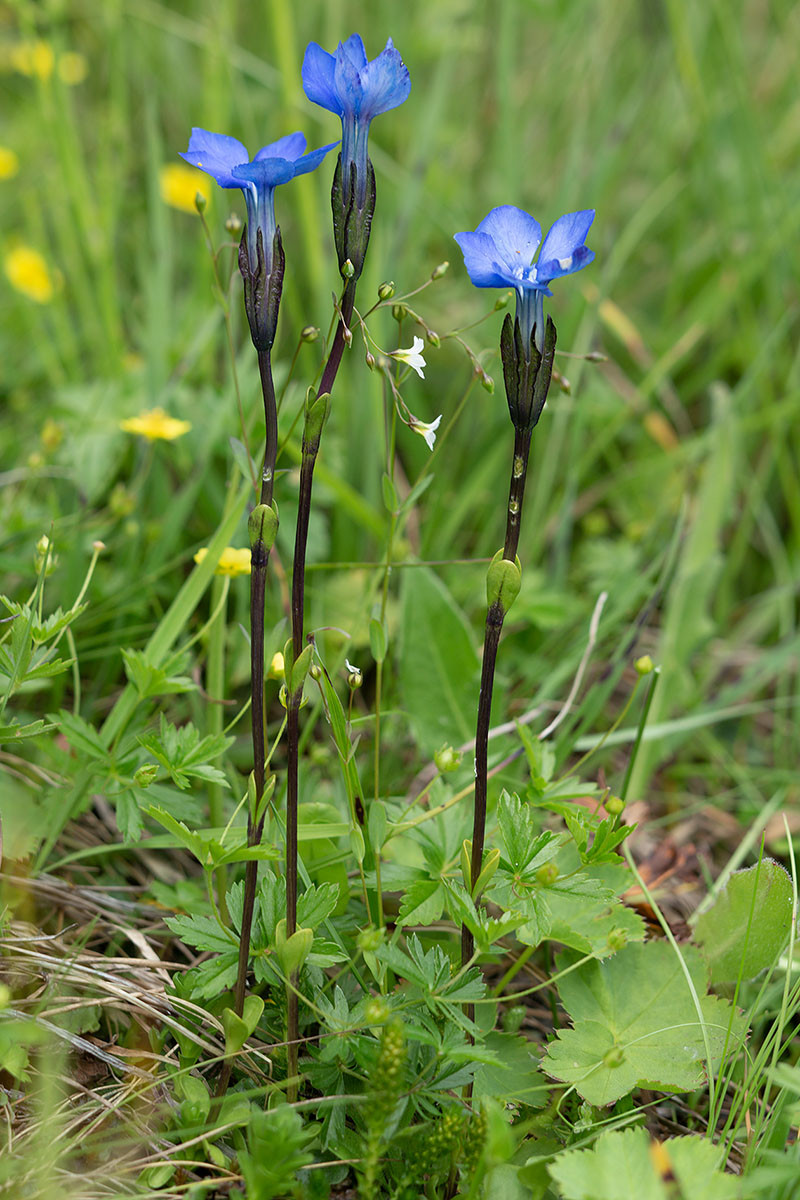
(353, 670)
(412, 357)
(426, 429)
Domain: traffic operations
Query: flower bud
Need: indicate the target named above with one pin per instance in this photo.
(386, 290)
(617, 939)
(503, 581)
(368, 941)
(502, 302)
(547, 874)
(487, 383)
(563, 382)
(233, 225)
(433, 337)
(262, 526)
(99, 546)
(315, 671)
(145, 775)
(447, 759)
(399, 312)
(614, 805)
(354, 676)
(369, 359)
(309, 333)
(348, 337)
(200, 202)
(276, 666)
(377, 1011)
(644, 665)
(595, 356)
(513, 1018)
(441, 270)
(347, 269)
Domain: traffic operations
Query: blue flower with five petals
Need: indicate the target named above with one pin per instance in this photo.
(501, 251)
(356, 90)
(227, 161)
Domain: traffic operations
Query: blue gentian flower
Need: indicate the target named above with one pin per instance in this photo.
(500, 254)
(227, 161)
(356, 90)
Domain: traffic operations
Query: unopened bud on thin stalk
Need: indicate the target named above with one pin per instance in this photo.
(386, 290)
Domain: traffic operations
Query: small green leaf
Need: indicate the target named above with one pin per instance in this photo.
(749, 923)
(377, 640)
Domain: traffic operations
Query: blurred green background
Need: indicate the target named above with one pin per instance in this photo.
(668, 477)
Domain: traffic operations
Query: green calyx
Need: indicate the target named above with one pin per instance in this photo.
(503, 581)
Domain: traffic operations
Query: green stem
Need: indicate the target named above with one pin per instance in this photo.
(215, 686)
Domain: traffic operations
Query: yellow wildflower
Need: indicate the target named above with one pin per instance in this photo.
(9, 163)
(180, 184)
(33, 59)
(232, 562)
(276, 667)
(156, 424)
(72, 68)
(28, 272)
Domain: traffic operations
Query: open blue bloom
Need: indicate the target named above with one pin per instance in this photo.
(356, 90)
(501, 251)
(227, 161)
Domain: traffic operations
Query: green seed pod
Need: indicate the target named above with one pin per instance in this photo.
(614, 805)
(433, 337)
(487, 383)
(386, 290)
(309, 333)
(644, 665)
(441, 270)
(503, 581)
(233, 225)
(347, 269)
(399, 312)
(447, 759)
(200, 202)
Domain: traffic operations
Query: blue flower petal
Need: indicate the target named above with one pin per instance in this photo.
(265, 173)
(386, 83)
(353, 49)
(347, 82)
(217, 154)
(515, 233)
(318, 78)
(480, 259)
(291, 147)
(310, 161)
(554, 268)
(565, 237)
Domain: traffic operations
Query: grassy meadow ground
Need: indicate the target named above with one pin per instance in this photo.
(668, 477)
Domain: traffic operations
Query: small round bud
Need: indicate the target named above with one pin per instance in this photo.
(399, 312)
(309, 333)
(386, 290)
(446, 758)
(145, 775)
(441, 270)
(487, 383)
(433, 337)
(200, 202)
(233, 225)
(315, 671)
(99, 546)
(513, 1018)
(547, 874)
(502, 302)
(617, 939)
(52, 434)
(354, 676)
(614, 805)
(377, 1011)
(348, 337)
(594, 356)
(276, 666)
(347, 269)
(369, 359)
(613, 1058)
(644, 665)
(43, 545)
(369, 940)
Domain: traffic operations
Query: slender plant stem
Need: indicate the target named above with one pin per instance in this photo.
(215, 685)
(307, 465)
(258, 579)
(494, 627)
